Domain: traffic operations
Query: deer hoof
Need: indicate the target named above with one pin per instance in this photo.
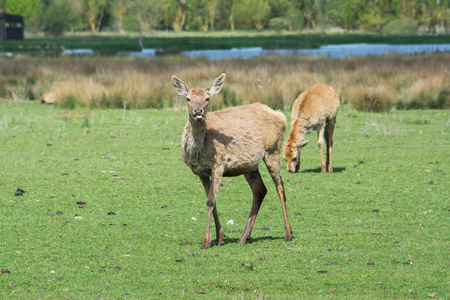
(219, 244)
(288, 240)
(204, 247)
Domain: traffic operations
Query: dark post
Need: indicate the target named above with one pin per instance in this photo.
(11, 27)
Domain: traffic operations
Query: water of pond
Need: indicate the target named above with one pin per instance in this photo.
(334, 51)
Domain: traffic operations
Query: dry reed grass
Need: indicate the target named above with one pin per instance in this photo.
(368, 83)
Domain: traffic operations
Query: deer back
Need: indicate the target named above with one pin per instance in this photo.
(317, 104)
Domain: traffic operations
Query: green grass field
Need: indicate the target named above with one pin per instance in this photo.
(376, 228)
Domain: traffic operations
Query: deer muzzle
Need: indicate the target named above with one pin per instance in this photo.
(198, 114)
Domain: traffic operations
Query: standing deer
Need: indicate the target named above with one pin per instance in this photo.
(232, 142)
(314, 109)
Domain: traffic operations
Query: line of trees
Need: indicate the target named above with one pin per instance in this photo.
(390, 16)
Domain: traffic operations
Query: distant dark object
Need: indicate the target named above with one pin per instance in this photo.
(19, 192)
(81, 204)
(11, 27)
(111, 213)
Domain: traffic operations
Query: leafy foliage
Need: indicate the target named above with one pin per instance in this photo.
(368, 15)
(26, 8)
(59, 17)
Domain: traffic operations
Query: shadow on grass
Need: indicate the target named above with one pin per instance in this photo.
(318, 170)
(249, 241)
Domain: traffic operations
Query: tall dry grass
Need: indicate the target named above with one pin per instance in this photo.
(368, 83)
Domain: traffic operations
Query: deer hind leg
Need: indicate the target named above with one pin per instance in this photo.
(272, 161)
(320, 136)
(329, 141)
(211, 189)
(259, 192)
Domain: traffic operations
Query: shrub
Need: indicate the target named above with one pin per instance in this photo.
(370, 99)
(230, 98)
(431, 93)
(278, 24)
(400, 26)
(443, 99)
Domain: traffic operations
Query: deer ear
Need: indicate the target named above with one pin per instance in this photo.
(304, 143)
(216, 86)
(180, 87)
(301, 144)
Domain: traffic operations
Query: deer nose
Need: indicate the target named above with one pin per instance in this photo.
(198, 111)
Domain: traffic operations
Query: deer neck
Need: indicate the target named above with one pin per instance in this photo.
(194, 138)
(298, 134)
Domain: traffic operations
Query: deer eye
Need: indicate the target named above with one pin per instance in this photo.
(207, 99)
(188, 99)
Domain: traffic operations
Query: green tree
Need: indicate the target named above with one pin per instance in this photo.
(213, 7)
(25, 8)
(334, 12)
(93, 12)
(434, 13)
(310, 11)
(379, 12)
(198, 16)
(252, 12)
(285, 14)
(58, 17)
(175, 14)
(349, 11)
(120, 10)
(229, 6)
(149, 13)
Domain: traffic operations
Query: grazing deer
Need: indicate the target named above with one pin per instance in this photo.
(232, 142)
(50, 97)
(314, 109)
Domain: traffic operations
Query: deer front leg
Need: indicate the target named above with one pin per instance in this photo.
(211, 208)
(297, 165)
(273, 166)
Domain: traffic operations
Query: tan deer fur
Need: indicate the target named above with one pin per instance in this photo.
(48, 98)
(314, 109)
(232, 142)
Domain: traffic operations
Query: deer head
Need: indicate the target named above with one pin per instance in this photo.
(197, 99)
(291, 155)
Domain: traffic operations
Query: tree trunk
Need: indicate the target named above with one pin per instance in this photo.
(138, 26)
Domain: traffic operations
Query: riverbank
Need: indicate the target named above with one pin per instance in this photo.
(173, 43)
